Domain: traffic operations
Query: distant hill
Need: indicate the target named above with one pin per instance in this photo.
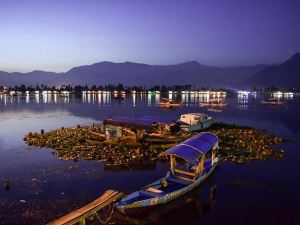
(31, 78)
(286, 74)
(130, 73)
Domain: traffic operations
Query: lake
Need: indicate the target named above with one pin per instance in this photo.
(42, 187)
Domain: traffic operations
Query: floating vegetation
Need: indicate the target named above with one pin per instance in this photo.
(241, 143)
(237, 143)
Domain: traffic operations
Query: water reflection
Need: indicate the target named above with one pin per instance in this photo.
(191, 207)
(212, 101)
(37, 98)
(85, 183)
(101, 98)
(27, 98)
(149, 98)
(243, 100)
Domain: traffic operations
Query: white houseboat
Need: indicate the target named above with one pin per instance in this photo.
(195, 121)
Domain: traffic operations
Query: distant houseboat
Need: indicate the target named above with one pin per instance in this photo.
(273, 101)
(215, 102)
(195, 121)
(166, 102)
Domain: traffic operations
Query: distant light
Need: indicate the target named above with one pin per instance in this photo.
(243, 92)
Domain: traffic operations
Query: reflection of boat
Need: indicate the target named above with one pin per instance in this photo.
(273, 101)
(119, 95)
(195, 121)
(192, 162)
(189, 206)
(169, 103)
(215, 102)
(145, 165)
(214, 110)
(64, 95)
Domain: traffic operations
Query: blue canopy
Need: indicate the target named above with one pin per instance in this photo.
(193, 148)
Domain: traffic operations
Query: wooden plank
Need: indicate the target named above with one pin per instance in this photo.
(80, 214)
(186, 179)
(184, 172)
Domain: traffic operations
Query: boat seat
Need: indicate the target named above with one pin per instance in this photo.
(154, 190)
(184, 172)
(186, 179)
(194, 168)
(149, 193)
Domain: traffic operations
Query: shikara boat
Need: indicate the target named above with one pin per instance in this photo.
(215, 102)
(169, 103)
(191, 162)
(273, 101)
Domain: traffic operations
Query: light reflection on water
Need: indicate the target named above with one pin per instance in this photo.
(51, 188)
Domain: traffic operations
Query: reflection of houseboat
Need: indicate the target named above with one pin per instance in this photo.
(214, 110)
(119, 95)
(191, 162)
(65, 94)
(195, 121)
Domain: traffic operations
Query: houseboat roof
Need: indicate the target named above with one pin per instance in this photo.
(154, 119)
(145, 122)
(193, 148)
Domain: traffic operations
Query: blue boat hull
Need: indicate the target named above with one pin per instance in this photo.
(134, 201)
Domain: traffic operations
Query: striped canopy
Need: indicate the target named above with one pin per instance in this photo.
(192, 149)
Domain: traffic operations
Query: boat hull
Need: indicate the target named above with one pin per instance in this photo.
(197, 127)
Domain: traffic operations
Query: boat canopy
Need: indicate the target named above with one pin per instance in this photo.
(193, 148)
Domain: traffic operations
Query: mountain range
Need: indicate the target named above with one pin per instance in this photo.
(192, 72)
(286, 74)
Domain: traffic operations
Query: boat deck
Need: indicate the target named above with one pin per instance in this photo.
(174, 184)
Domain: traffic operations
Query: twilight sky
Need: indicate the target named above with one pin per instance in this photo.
(56, 35)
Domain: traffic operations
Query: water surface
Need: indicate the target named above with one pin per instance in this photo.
(42, 187)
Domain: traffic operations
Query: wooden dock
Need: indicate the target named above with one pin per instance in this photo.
(79, 215)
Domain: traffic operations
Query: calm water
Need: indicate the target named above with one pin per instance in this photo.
(42, 187)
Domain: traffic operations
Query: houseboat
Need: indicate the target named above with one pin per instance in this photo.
(195, 121)
(166, 102)
(214, 102)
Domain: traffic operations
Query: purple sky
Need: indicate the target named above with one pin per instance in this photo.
(56, 35)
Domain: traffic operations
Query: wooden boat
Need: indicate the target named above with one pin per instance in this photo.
(191, 162)
(169, 103)
(273, 101)
(215, 102)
